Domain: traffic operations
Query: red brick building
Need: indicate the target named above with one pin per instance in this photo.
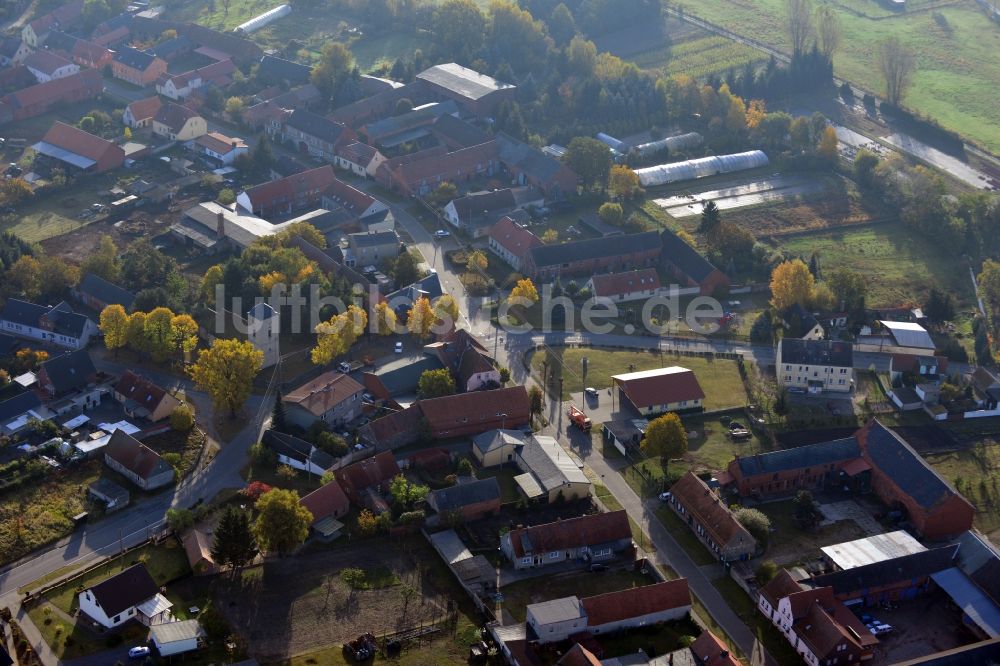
(473, 413)
(79, 150)
(420, 172)
(595, 255)
(373, 473)
(38, 99)
(874, 458)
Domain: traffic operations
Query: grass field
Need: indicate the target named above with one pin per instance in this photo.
(975, 472)
(720, 379)
(956, 78)
(42, 511)
(900, 268)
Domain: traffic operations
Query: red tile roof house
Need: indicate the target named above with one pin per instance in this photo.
(38, 99)
(672, 389)
(137, 67)
(510, 241)
(141, 112)
(874, 458)
(820, 628)
(694, 273)
(326, 504)
(628, 286)
(318, 136)
(358, 158)
(359, 204)
(181, 86)
(286, 195)
(709, 650)
(178, 123)
(421, 172)
(594, 538)
(89, 54)
(137, 462)
(557, 620)
(364, 482)
(47, 66)
(467, 414)
(142, 398)
(707, 515)
(333, 397)
(774, 591)
(79, 150)
(64, 16)
(220, 147)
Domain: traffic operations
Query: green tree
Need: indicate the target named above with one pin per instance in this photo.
(435, 384)
(766, 572)
(562, 26)
(335, 64)
(406, 494)
(103, 262)
(282, 523)
(405, 270)
(940, 306)
(710, 217)
(477, 261)
(367, 523)
(464, 467)
(226, 371)
(590, 159)
(611, 213)
(806, 514)
(755, 521)
(233, 543)
(159, 333)
(226, 196)
(179, 519)
(504, 375)
(849, 288)
(234, 108)
(182, 418)
(623, 182)
(665, 438)
(23, 277)
(446, 311)
(535, 400)
(460, 28)
(55, 277)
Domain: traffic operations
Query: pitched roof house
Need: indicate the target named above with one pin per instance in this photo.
(137, 462)
(637, 607)
(420, 172)
(274, 69)
(689, 267)
(297, 453)
(595, 255)
(661, 390)
(316, 135)
(326, 504)
(591, 538)
(472, 413)
(220, 147)
(285, 195)
(142, 398)
(471, 500)
(364, 482)
(709, 650)
(358, 158)
(79, 150)
(510, 241)
(707, 515)
(13, 51)
(97, 293)
(527, 165)
(815, 365)
(478, 93)
(34, 33)
(627, 286)
(178, 123)
(46, 66)
(129, 595)
(40, 98)
(139, 68)
(333, 397)
(140, 113)
(57, 325)
(66, 373)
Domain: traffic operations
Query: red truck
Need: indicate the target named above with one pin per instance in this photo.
(579, 419)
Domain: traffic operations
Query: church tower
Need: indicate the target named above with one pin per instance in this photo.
(263, 330)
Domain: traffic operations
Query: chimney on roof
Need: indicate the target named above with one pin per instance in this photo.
(220, 224)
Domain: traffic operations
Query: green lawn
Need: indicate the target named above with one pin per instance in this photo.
(956, 77)
(899, 267)
(505, 478)
(976, 474)
(611, 503)
(70, 641)
(517, 596)
(165, 563)
(685, 537)
(720, 379)
(766, 632)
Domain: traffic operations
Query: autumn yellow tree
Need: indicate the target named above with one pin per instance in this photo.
(159, 333)
(756, 110)
(665, 438)
(333, 338)
(385, 319)
(477, 261)
(185, 334)
(226, 371)
(358, 318)
(827, 146)
(623, 183)
(446, 312)
(524, 290)
(550, 236)
(421, 319)
(791, 282)
(114, 323)
(212, 277)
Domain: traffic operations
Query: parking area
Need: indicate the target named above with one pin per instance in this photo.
(927, 625)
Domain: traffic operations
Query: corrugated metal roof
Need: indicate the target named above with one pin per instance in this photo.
(907, 334)
(970, 599)
(872, 549)
(63, 155)
(556, 610)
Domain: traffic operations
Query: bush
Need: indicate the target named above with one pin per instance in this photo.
(182, 418)
(411, 517)
(464, 467)
(755, 521)
(765, 572)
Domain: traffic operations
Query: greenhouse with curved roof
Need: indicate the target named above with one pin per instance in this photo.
(702, 167)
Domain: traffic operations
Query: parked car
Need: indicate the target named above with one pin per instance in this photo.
(442, 233)
(598, 567)
(881, 629)
(590, 391)
(138, 652)
(665, 497)
(368, 397)
(344, 367)
(399, 347)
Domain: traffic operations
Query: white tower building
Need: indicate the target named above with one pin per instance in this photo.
(263, 330)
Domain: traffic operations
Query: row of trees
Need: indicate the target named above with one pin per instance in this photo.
(159, 332)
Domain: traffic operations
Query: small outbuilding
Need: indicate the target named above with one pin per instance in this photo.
(176, 637)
